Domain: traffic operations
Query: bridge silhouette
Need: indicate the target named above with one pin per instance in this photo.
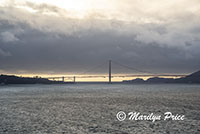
(110, 75)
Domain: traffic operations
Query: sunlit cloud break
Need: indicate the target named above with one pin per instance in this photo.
(166, 17)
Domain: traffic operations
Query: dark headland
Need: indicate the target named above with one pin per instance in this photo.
(193, 78)
(11, 79)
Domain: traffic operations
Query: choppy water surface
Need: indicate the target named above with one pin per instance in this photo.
(92, 108)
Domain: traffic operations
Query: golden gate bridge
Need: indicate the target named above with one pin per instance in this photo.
(110, 75)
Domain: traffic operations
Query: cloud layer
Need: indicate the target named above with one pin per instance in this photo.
(68, 37)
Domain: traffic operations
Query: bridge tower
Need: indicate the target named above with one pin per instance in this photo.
(74, 79)
(110, 76)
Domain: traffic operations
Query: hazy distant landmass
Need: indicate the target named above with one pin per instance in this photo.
(192, 78)
(11, 79)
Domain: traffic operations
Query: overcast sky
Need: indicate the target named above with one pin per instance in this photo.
(70, 36)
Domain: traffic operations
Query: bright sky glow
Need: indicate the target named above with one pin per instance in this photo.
(127, 10)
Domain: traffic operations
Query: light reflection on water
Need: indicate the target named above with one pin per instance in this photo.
(99, 88)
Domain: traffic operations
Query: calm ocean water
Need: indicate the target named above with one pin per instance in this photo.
(92, 108)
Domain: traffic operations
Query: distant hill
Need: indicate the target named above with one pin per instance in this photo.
(160, 80)
(192, 78)
(11, 79)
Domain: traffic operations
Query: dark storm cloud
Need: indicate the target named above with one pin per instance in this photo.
(38, 43)
(39, 52)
